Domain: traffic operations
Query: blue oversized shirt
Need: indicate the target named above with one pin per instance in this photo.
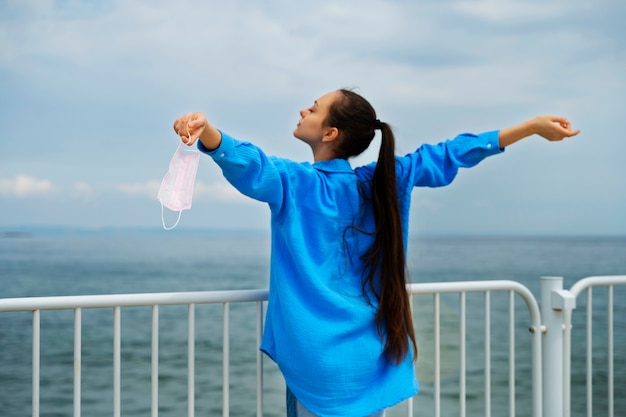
(319, 327)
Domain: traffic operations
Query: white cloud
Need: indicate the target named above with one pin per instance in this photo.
(119, 72)
(219, 191)
(146, 189)
(24, 186)
(395, 47)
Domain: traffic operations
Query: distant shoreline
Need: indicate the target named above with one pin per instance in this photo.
(27, 232)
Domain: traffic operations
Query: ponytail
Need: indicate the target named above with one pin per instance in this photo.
(385, 262)
(386, 257)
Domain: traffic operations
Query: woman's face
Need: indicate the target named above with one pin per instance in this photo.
(311, 128)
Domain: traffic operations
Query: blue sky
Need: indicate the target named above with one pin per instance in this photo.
(89, 91)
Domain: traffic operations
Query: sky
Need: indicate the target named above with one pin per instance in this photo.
(89, 91)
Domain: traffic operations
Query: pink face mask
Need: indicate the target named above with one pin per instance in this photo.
(177, 186)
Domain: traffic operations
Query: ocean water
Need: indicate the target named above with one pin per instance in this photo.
(51, 264)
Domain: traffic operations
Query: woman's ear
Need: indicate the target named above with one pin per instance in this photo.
(330, 134)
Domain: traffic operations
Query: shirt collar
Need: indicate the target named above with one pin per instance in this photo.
(333, 165)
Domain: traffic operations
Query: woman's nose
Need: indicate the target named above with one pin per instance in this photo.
(302, 112)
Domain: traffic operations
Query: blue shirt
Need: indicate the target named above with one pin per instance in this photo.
(319, 327)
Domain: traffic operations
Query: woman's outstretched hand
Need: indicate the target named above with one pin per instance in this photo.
(194, 126)
(552, 128)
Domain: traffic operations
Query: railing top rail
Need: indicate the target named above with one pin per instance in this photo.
(594, 281)
(130, 300)
(207, 297)
(479, 286)
(466, 286)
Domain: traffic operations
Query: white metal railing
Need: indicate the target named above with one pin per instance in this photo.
(551, 350)
(564, 301)
(116, 302)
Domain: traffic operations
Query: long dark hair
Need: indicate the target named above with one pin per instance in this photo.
(356, 121)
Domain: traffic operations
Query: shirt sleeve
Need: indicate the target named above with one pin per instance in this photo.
(437, 165)
(248, 169)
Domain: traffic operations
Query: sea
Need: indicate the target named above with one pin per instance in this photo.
(74, 262)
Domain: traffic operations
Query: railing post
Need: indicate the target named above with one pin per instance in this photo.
(564, 301)
(552, 347)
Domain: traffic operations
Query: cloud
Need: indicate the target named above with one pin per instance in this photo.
(147, 189)
(397, 47)
(25, 186)
(119, 72)
(219, 191)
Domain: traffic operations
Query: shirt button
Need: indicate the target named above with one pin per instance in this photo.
(223, 154)
(488, 147)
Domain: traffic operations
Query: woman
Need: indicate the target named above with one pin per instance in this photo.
(338, 318)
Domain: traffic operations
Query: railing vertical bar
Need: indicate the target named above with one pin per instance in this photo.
(610, 352)
(77, 360)
(511, 354)
(259, 360)
(437, 318)
(191, 360)
(567, 362)
(226, 364)
(462, 358)
(36, 360)
(487, 353)
(537, 380)
(154, 378)
(589, 353)
(117, 348)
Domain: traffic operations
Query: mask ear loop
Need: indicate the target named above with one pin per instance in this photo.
(163, 219)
